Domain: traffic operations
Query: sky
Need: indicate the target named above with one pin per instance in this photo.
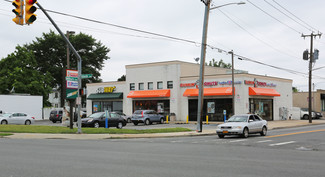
(267, 31)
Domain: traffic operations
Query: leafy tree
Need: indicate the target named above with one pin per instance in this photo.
(50, 52)
(122, 78)
(19, 73)
(295, 90)
(220, 64)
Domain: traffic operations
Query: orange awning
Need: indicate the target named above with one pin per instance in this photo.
(209, 91)
(149, 93)
(263, 92)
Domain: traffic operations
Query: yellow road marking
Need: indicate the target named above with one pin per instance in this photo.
(321, 130)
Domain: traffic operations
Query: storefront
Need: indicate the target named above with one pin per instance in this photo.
(170, 89)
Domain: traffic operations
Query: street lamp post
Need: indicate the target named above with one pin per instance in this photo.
(202, 59)
(232, 81)
(70, 103)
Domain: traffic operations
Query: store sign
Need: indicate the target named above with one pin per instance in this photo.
(260, 84)
(106, 89)
(213, 83)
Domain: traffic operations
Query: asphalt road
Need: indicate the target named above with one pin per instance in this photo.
(296, 152)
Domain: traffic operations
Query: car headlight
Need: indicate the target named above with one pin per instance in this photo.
(90, 120)
(236, 127)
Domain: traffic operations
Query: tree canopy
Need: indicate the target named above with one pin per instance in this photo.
(19, 73)
(219, 63)
(48, 54)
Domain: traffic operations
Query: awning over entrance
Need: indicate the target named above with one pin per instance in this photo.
(209, 91)
(263, 92)
(100, 96)
(149, 93)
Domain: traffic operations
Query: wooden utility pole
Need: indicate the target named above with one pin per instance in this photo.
(311, 60)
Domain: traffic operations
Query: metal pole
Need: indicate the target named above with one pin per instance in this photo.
(233, 82)
(202, 63)
(75, 53)
(310, 77)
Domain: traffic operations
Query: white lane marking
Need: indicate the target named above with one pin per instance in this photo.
(237, 141)
(264, 141)
(279, 144)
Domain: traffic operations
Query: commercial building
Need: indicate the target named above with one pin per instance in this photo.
(301, 99)
(170, 89)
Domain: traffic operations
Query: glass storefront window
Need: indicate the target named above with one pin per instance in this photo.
(262, 107)
(101, 106)
(211, 107)
(160, 106)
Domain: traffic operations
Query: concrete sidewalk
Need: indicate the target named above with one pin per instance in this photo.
(271, 125)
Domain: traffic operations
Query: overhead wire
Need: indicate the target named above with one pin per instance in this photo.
(274, 17)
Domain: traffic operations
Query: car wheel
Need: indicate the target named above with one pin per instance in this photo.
(54, 121)
(305, 117)
(161, 121)
(221, 136)
(245, 132)
(119, 125)
(147, 122)
(264, 130)
(135, 123)
(28, 122)
(129, 120)
(4, 122)
(96, 125)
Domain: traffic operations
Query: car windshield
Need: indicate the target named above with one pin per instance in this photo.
(304, 109)
(138, 112)
(238, 119)
(96, 115)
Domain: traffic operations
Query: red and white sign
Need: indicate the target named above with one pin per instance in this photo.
(72, 84)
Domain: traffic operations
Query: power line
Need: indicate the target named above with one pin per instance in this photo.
(274, 17)
(257, 38)
(288, 16)
(294, 15)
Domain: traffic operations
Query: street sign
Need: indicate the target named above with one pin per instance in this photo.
(71, 78)
(72, 84)
(86, 76)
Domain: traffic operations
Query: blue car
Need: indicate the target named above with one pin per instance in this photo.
(147, 117)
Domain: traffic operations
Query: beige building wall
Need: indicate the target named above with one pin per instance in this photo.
(300, 99)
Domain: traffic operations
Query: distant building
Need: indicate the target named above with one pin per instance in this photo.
(300, 99)
(54, 98)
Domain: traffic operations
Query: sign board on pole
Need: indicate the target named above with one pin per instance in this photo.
(72, 73)
(71, 78)
(72, 93)
(72, 84)
(86, 76)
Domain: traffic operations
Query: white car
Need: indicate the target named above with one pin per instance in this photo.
(243, 125)
(16, 118)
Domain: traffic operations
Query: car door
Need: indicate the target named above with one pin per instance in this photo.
(21, 118)
(102, 120)
(251, 124)
(155, 116)
(259, 123)
(114, 118)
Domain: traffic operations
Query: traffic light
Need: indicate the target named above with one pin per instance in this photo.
(305, 55)
(19, 20)
(30, 17)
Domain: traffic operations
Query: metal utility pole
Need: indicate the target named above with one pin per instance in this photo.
(232, 81)
(311, 60)
(75, 53)
(70, 102)
(202, 63)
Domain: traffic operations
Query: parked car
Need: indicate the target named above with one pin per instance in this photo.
(243, 125)
(304, 114)
(127, 118)
(56, 115)
(98, 120)
(16, 118)
(147, 117)
(318, 115)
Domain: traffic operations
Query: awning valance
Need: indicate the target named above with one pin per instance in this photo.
(263, 92)
(149, 93)
(100, 96)
(209, 91)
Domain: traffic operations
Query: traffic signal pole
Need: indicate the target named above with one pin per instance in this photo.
(79, 63)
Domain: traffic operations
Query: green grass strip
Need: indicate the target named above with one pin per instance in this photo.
(5, 134)
(66, 130)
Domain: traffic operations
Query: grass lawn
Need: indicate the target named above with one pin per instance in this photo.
(66, 130)
(5, 134)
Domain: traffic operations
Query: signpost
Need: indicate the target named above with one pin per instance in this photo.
(86, 76)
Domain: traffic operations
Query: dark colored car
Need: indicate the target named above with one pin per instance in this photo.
(98, 120)
(56, 115)
(147, 117)
(319, 115)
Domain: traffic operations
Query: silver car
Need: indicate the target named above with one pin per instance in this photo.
(16, 118)
(243, 125)
(147, 117)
